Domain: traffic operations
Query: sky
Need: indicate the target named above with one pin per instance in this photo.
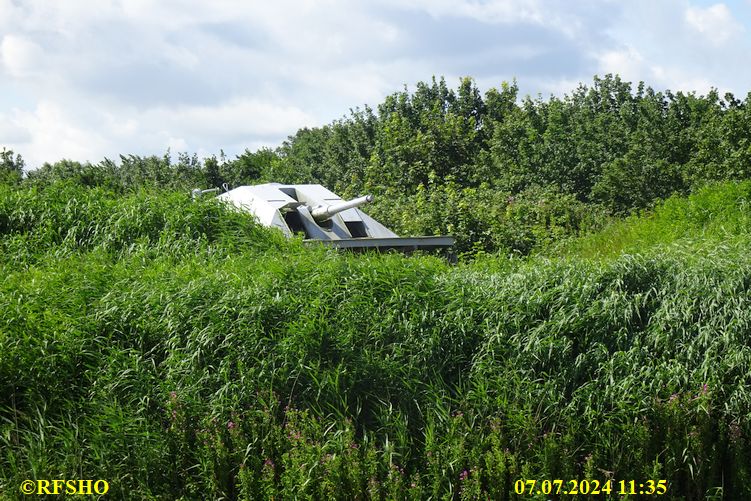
(86, 80)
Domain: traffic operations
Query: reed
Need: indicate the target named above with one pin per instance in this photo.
(178, 350)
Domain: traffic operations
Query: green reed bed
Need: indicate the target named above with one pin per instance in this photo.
(715, 212)
(226, 362)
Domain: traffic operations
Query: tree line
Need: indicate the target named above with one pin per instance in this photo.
(500, 172)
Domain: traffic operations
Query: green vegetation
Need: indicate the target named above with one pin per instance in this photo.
(715, 214)
(501, 173)
(11, 169)
(178, 350)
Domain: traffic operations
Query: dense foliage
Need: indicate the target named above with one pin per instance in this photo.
(179, 350)
(11, 168)
(499, 172)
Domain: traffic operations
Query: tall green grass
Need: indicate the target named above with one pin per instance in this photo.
(227, 363)
(714, 213)
(64, 219)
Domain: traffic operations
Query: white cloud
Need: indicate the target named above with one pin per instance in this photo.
(627, 63)
(678, 78)
(494, 11)
(6, 12)
(177, 144)
(234, 120)
(558, 87)
(673, 44)
(52, 129)
(715, 23)
(12, 131)
(21, 57)
(139, 76)
(572, 18)
(632, 66)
